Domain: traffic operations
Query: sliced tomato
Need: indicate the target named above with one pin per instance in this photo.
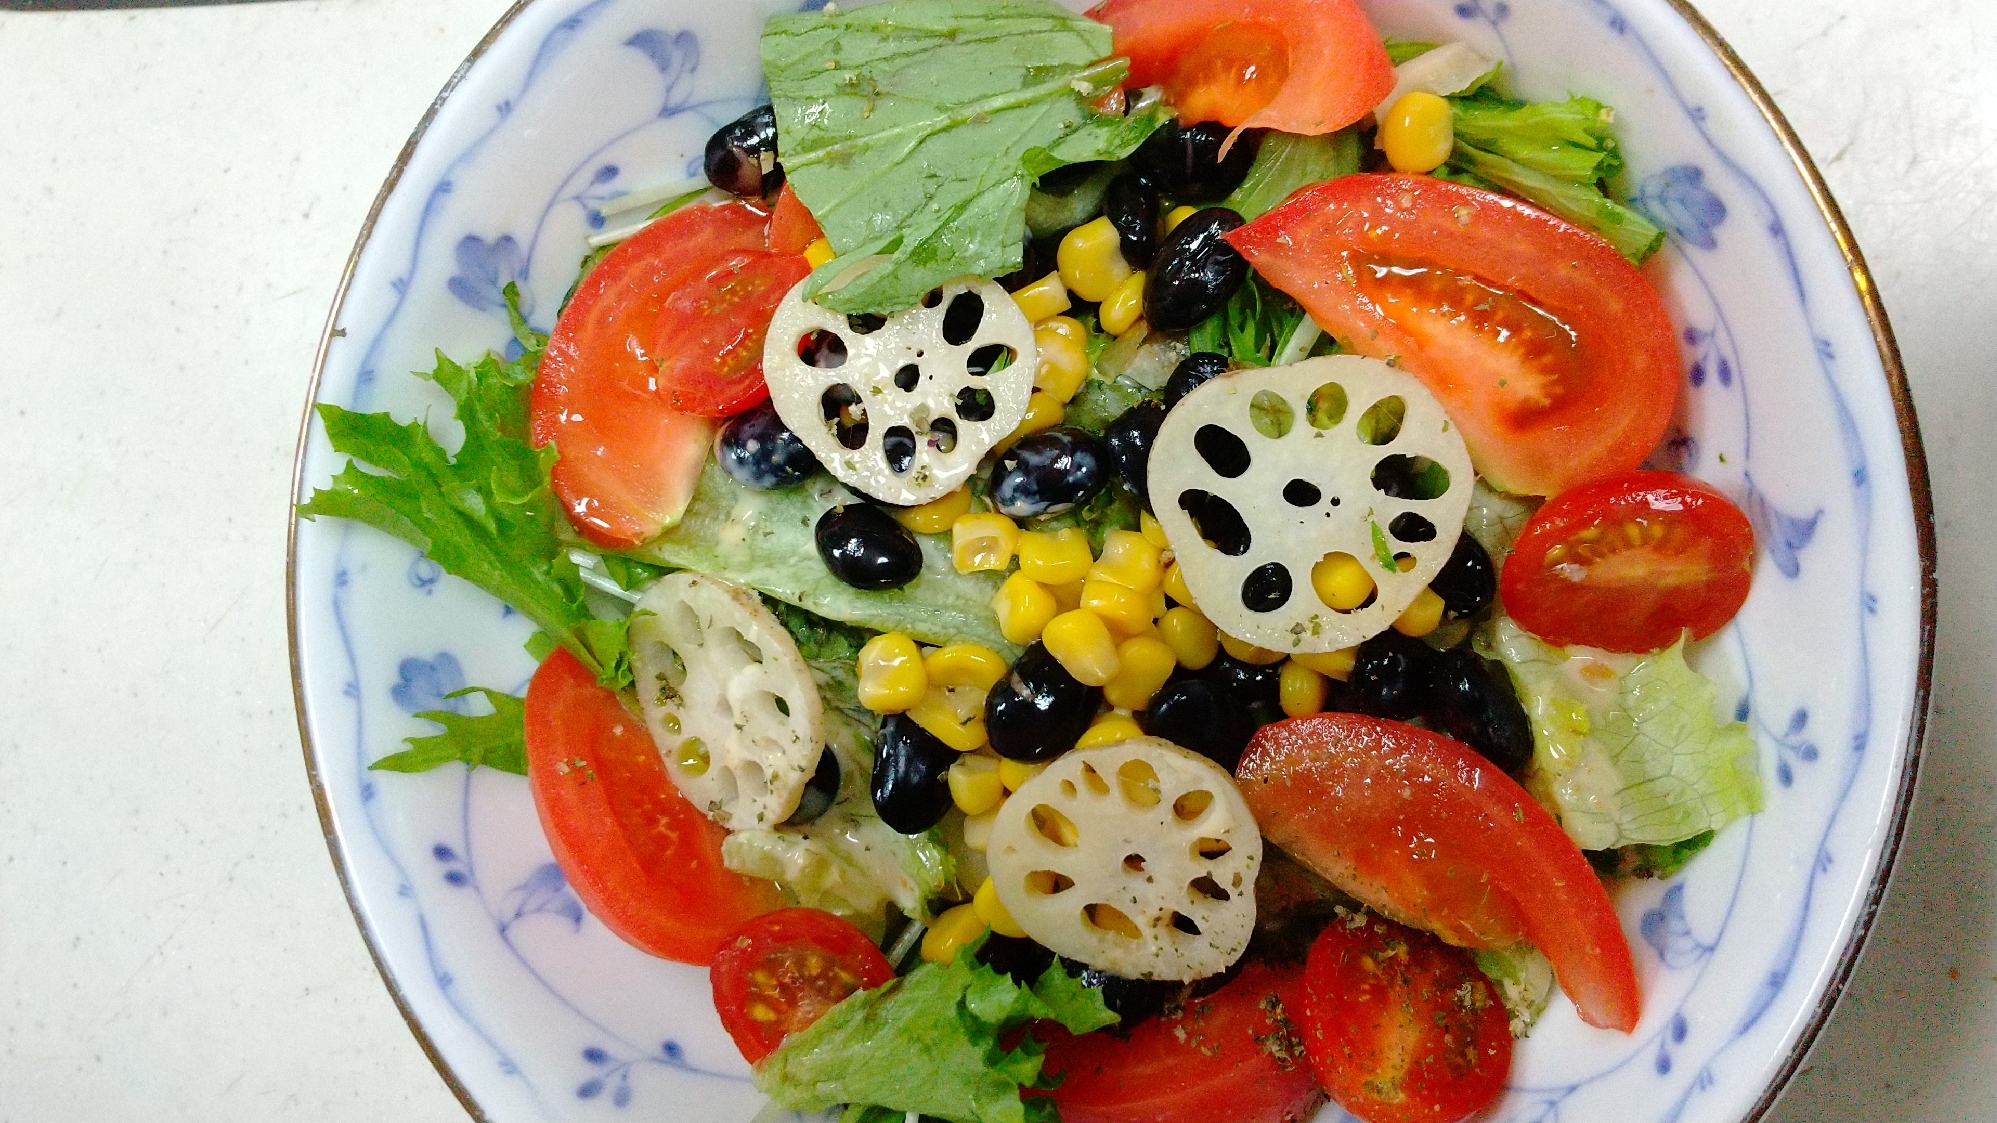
(643, 860)
(1426, 831)
(1553, 355)
(1302, 66)
(792, 229)
(630, 446)
(783, 970)
(709, 341)
(1630, 563)
(1230, 1057)
(1399, 1026)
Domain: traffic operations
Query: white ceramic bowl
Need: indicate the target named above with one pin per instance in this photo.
(1794, 404)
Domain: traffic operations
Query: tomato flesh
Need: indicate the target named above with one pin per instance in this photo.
(1302, 66)
(627, 418)
(1630, 563)
(783, 970)
(792, 229)
(641, 858)
(1400, 1027)
(1224, 1058)
(1427, 832)
(1552, 354)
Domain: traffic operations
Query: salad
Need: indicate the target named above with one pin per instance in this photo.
(1102, 567)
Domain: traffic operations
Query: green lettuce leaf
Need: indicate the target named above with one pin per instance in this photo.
(1286, 162)
(915, 129)
(929, 1043)
(1626, 749)
(1644, 861)
(1524, 978)
(486, 514)
(1402, 50)
(1253, 326)
(495, 740)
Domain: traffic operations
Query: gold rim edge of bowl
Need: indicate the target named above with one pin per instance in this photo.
(1912, 448)
(331, 332)
(1921, 498)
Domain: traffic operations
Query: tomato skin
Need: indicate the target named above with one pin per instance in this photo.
(792, 228)
(1206, 1064)
(1334, 68)
(710, 333)
(1690, 572)
(795, 964)
(642, 859)
(1427, 832)
(1554, 356)
(1399, 1026)
(629, 459)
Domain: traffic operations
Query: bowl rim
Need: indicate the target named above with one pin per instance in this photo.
(1914, 453)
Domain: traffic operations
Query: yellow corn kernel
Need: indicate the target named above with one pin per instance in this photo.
(1341, 581)
(1175, 585)
(1158, 603)
(1081, 643)
(1178, 215)
(941, 713)
(1417, 132)
(1126, 611)
(974, 784)
(1111, 919)
(1147, 525)
(1023, 607)
(1404, 562)
(952, 932)
(1422, 616)
(963, 664)
(993, 912)
(1109, 729)
(818, 253)
(1249, 653)
(1192, 637)
(1055, 557)
(1043, 411)
(1331, 664)
(1015, 773)
(937, 515)
(1068, 597)
(1091, 260)
(1122, 309)
(1129, 560)
(978, 828)
(982, 540)
(1300, 690)
(891, 676)
(1067, 327)
(1144, 663)
(1063, 365)
(1043, 298)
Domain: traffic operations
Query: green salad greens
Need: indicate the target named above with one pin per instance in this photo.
(495, 740)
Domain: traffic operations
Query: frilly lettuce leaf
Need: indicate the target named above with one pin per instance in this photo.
(495, 740)
(1286, 162)
(1524, 978)
(1625, 747)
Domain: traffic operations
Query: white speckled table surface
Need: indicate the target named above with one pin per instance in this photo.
(179, 189)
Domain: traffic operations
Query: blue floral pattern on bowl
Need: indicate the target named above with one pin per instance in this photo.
(539, 1013)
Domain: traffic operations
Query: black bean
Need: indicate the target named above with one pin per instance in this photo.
(1038, 710)
(1196, 273)
(864, 547)
(820, 792)
(1202, 715)
(1391, 674)
(1036, 261)
(742, 154)
(1133, 1000)
(1133, 208)
(757, 449)
(1016, 957)
(1474, 702)
(1185, 161)
(1048, 472)
(1129, 439)
(1467, 582)
(911, 776)
(1193, 371)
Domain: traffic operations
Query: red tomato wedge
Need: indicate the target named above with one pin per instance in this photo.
(1399, 1026)
(1630, 564)
(783, 970)
(1426, 831)
(643, 860)
(1553, 355)
(792, 229)
(1302, 66)
(615, 393)
(1223, 1058)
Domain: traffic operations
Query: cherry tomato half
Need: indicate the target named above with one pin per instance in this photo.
(1553, 355)
(783, 970)
(1630, 563)
(1426, 831)
(642, 859)
(1399, 1026)
(1229, 1057)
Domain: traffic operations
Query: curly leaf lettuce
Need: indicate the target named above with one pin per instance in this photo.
(495, 740)
(1626, 749)
(915, 129)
